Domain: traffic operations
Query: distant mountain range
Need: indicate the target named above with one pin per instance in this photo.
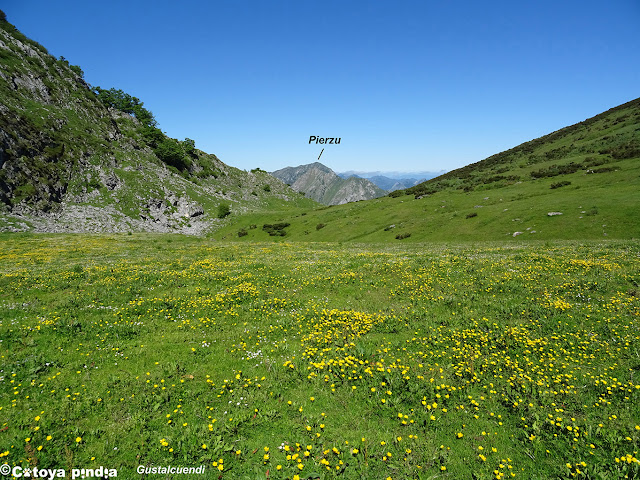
(392, 181)
(323, 185)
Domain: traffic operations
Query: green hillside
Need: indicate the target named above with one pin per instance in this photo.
(75, 157)
(588, 172)
(80, 158)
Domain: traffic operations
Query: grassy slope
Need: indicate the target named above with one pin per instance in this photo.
(503, 194)
(401, 361)
(62, 144)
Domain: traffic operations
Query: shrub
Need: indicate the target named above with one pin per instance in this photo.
(493, 179)
(603, 170)
(223, 210)
(23, 192)
(77, 70)
(189, 147)
(594, 162)
(125, 103)
(320, 225)
(152, 136)
(276, 229)
(402, 236)
(560, 184)
(93, 184)
(555, 170)
(472, 214)
(242, 232)
(621, 152)
(171, 153)
(267, 188)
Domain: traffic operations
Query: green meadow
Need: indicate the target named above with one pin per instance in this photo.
(586, 175)
(320, 360)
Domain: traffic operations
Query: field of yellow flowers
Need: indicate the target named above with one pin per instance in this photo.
(298, 361)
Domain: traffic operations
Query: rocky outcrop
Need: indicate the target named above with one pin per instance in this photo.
(70, 162)
(322, 184)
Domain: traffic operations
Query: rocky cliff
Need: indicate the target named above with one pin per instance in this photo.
(322, 184)
(79, 158)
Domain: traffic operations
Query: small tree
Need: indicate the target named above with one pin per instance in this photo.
(152, 135)
(171, 153)
(125, 103)
(189, 146)
(77, 70)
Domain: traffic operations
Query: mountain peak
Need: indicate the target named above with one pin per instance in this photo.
(322, 184)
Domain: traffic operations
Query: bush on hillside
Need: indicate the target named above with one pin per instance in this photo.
(603, 170)
(397, 193)
(276, 229)
(189, 147)
(223, 210)
(622, 152)
(152, 136)
(170, 152)
(594, 162)
(555, 170)
(77, 70)
(126, 103)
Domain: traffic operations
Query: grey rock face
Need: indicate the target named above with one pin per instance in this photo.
(33, 84)
(320, 183)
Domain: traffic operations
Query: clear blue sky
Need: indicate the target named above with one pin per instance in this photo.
(407, 85)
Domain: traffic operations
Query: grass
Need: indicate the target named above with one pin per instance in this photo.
(447, 215)
(596, 162)
(320, 360)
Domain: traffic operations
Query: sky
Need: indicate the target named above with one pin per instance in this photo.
(406, 85)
